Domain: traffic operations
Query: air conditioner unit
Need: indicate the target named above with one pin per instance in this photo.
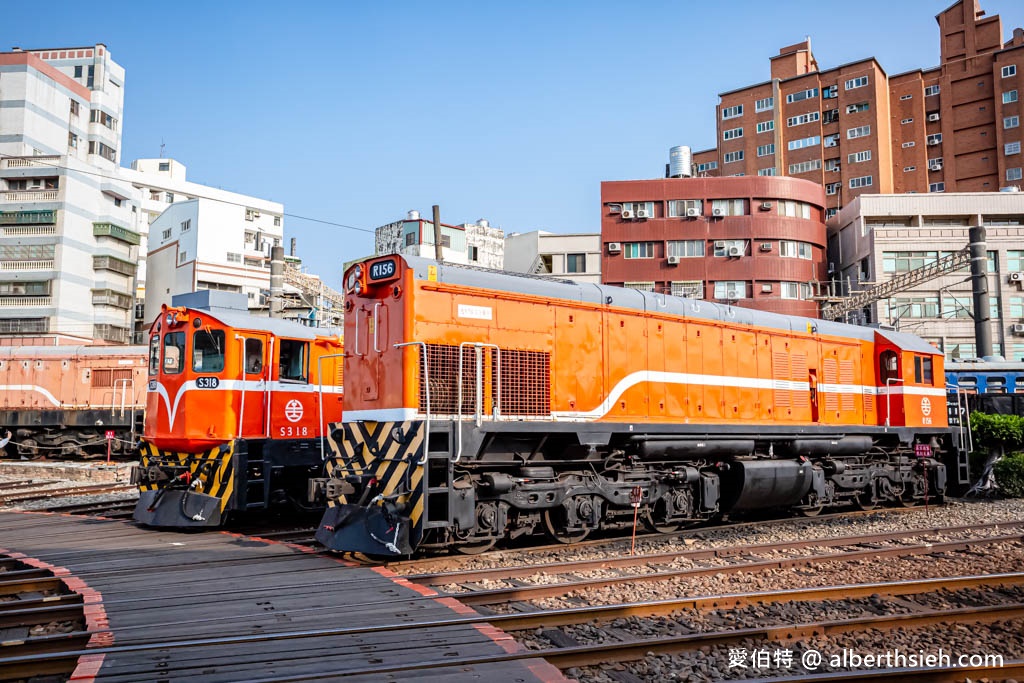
(719, 212)
(642, 213)
(934, 167)
(732, 293)
(766, 206)
(766, 246)
(626, 214)
(934, 141)
(692, 212)
(614, 247)
(720, 244)
(850, 108)
(766, 288)
(933, 117)
(735, 251)
(1017, 276)
(1018, 329)
(673, 260)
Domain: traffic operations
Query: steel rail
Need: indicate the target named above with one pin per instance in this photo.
(563, 617)
(499, 595)
(440, 578)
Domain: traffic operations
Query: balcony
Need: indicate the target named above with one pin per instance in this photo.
(27, 217)
(115, 231)
(25, 301)
(43, 264)
(27, 230)
(31, 196)
(111, 297)
(114, 265)
(112, 333)
(29, 162)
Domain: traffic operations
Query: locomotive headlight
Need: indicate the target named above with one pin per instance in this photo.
(169, 319)
(350, 284)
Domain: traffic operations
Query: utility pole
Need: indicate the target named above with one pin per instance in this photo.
(438, 250)
(979, 273)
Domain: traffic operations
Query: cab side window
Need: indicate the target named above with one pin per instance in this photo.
(293, 360)
(208, 350)
(253, 356)
(154, 354)
(174, 352)
(888, 366)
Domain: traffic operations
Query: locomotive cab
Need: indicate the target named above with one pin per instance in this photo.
(235, 415)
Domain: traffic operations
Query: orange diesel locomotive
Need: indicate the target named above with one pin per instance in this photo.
(488, 406)
(236, 408)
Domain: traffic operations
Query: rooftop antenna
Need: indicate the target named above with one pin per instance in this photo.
(162, 145)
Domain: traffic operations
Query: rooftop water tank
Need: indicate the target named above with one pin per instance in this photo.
(414, 215)
(680, 162)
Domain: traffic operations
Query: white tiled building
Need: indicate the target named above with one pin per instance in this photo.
(575, 256)
(476, 244)
(69, 229)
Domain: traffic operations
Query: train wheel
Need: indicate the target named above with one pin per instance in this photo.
(865, 501)
(475, 547)
(811, 512)
(556, 525)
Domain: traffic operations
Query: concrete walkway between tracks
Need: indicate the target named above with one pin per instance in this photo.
(215, 607)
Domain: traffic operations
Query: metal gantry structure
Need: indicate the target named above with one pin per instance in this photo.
(899, 283)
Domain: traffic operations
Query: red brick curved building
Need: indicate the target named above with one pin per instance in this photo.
(757, 242)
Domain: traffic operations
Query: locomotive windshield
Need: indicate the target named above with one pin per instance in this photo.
(174, 352)
(208, 350)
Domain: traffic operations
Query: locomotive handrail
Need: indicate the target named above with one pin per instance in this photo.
(888, 404)
(356, 349)
(426, 380)
(320, 396)
(125, 385)
(479, 388)
(376, 327)
(241, 410)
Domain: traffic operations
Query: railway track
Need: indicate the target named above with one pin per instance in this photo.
(62, 491)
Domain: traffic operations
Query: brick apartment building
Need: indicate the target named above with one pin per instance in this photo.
(856, 130)
(751, 242)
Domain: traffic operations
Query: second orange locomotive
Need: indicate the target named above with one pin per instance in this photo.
(489, 405)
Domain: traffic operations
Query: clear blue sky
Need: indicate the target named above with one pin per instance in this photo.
(355, 112)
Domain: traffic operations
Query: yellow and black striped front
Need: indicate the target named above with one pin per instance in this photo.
(184, 489)
(376, 478)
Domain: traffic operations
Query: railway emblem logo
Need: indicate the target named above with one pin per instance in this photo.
(926, 406)
(293, 410)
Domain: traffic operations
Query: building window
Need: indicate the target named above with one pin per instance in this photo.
(473, 254)
(934, 138)
(78, 71)
(908, 169)
(638, 209)
(931, 90)
(684, 248)
(793, 208)
(732, 133)
(911, 307)
(832, 188)
(730, 289)
(831, 92)
(830, 116)
(182, 257)
(166, 234)
(726, 248)
(186, 225)
(234, 258)
(858, 82)
(859, 106)
(804, 142)
(97, 116)
(809, 117)
(1014, 260)
(678, 208)
(1009, 70)
(793, 249)
(832, 140)
(937, 187)
(728, 207)
(251, 214)
(1012, 148)
(638, 250)
(766, 104)
(732, 112)
(730, 157)
(169, 197)
(795, 290)
(1009, 96)
(72, 141)
(862, 181)
(164, 166)
(858, 132)
(903, 261)
(831, 213)
(277, 221)
(805, 167)
(906, 97)
(802, 95)
(858, 157)
(766, 171)
(766, 150)
(574, 263)
(707, 166)
(691, 289)
(1013, 174)
(935, 164)
(766, 126)
(641, 286)
(1011, 122)
(105, 151)
(75, 107)
(906, 121)
(907, 145)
